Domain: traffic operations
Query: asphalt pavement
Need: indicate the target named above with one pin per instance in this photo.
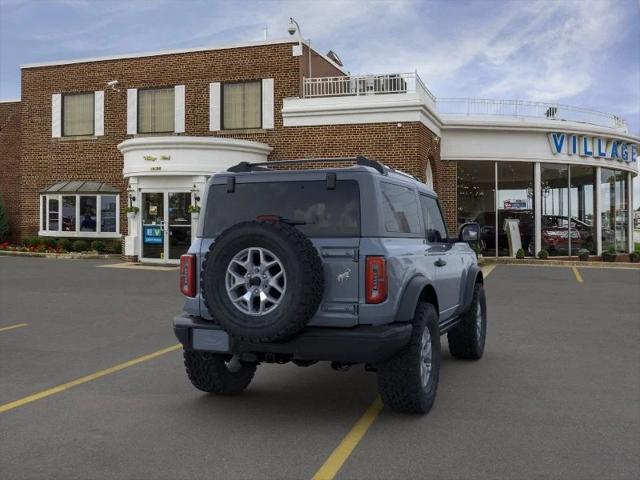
(557, 394)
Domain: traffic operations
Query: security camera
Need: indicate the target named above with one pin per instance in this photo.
(292, 27)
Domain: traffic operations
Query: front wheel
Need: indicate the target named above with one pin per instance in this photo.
(215, 373)
(467, 339)
(408, 381)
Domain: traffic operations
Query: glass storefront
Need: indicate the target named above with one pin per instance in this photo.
(476, 200)
(615, 210)
(568, 207)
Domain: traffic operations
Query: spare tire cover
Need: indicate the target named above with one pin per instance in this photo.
(262, 281)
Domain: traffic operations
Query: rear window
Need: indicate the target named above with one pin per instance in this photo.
(326, 213)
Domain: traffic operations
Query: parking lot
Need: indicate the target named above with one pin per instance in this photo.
(557, 394)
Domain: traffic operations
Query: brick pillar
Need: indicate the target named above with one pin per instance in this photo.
(446, 187)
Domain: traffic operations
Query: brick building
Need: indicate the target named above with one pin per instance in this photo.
(91, 137)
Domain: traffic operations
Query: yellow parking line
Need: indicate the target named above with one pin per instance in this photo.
(335, 461)
(11, 327)
(74, 383)
(487, 269)
(577, 274)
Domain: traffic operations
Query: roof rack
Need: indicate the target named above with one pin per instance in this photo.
(260, 166)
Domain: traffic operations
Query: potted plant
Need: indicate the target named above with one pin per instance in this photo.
(520, 253)
(543, 254)
(132, 211)
(610, 255)
(194, 210)
(635, 256)
(583, 254)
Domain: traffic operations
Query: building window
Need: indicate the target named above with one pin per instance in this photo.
(78, 114)
(400, 209)
(615, 217)
(242, 105)
(477, 202)
(80, 215)
(156, 110)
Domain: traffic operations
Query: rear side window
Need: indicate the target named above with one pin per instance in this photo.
(324, 212)
(400, 209)
(435, 228)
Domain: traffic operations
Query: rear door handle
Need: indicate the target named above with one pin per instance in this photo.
(440, 263)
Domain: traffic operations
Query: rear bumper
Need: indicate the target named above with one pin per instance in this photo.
(361, 344)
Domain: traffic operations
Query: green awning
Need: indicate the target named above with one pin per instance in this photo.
(80, 186)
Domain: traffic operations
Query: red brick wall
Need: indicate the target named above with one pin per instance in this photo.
(10, 162)
(46, 160)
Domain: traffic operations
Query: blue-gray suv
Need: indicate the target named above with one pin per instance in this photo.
(347, 264)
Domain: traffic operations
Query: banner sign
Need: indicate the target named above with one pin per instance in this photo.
(152, 235)
(597, 147)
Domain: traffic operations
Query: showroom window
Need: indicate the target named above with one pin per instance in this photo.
(78, 114)
(242, 105)
(516, 208)
(614, 212)
(80, 209)
(156, 110)
(476, 200)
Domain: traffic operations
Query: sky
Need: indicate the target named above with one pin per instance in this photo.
(577, 52)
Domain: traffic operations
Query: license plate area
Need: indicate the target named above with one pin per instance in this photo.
(209, 340)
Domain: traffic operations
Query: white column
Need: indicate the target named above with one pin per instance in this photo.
(537, 209)
(630, 211)
(598, 212)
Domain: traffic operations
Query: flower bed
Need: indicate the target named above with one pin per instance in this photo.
(48, 245)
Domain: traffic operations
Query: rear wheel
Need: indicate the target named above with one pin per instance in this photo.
(408, 382)
(467, 339)
(215, 373)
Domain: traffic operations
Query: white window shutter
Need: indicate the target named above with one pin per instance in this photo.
(178, 124)
(267, 103)
(214, 106)
(56, 115)
(132, 111)
(98, 113)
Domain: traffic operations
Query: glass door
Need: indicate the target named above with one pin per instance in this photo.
(179, 231)
(153, 226)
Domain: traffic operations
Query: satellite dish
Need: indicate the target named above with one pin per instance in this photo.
(334, 57)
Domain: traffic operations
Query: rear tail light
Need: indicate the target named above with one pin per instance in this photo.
(376, 280)
(188, 275)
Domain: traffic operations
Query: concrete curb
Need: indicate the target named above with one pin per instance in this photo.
(63, 256)
(557, 263)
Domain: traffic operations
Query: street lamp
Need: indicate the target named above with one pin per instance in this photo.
(293, 28)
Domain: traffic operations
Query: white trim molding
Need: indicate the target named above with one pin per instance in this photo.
(179, 108)
(98, 112)
(267, 103)
(214, 106)
(132, 111)
(56, 115)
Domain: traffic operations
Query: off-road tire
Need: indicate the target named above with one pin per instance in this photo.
(303, 270)
(465, 341)
(399, 378)
(209, 372)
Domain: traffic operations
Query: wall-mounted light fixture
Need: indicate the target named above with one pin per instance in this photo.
(132, 197)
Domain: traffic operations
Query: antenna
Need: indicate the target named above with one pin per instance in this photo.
(266, 32)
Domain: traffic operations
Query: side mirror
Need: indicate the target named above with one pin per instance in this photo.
(469, 232)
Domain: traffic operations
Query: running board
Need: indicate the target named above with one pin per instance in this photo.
(449, 324)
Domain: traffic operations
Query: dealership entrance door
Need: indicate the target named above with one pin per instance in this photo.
(166, 226)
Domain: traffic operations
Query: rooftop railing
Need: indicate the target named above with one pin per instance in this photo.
(526, 109)
(356, 85)
(398, 83)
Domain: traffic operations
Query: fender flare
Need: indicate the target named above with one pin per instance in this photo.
(409, 300)
(474, 274)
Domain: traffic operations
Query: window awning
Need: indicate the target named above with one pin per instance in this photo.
(80, 186)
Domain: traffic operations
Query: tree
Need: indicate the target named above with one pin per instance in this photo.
(4, 222)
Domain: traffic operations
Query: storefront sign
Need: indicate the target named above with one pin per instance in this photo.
(152, 235)
(597, 147)
(515, 204)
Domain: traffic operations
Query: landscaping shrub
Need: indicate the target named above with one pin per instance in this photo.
(583, 254)
(634, 257)
(48, 242)
(610, 255)
(65, 244)
(543, 254)
(80, 246)
(520, 253)
(98, 245)
(114, 246)
(4, 222)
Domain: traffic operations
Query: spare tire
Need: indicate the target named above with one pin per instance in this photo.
(262, 281)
